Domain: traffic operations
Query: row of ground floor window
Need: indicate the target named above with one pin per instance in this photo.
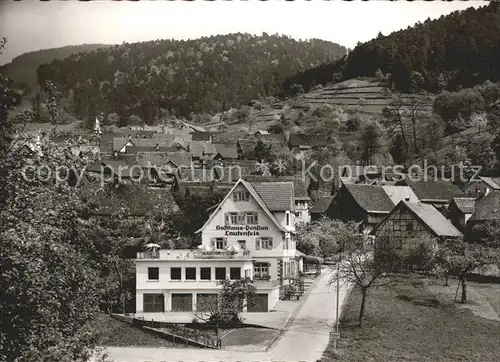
(190, 302)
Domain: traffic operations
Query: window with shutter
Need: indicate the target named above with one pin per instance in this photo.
(235, 197)
(226, 218)
(247, 196)
(257, 243)
(256, 217)
(270, 243)
(212, 243)
(241, 218)
(225, 242)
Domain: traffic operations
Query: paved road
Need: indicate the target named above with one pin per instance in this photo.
(304, 340)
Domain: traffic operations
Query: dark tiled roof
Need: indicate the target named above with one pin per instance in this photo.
(180, 159)
(433, 189)
(195, 175)
(321, 205)
(135, 150)
(438, 223)
(199, 149)
(226, 137)
(370, 198)
(313, 140)
(299, 185)
(124, 168)
(134, 133)
(193, 127)
(487, 207)
(130, 200)
(201, 136)
(465, 204)
(227, 150)
(230, 174)
(278, 196)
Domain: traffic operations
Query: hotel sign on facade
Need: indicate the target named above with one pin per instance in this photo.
(241, 230)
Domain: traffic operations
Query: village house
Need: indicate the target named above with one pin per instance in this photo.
(225, 151)
(486, 214)
(201, 136)
(201, 151)
(460, 211)
(438, 193)
(249, 234)
(266, 136)
(414, 221)
(162, 166)
(301, 143)
(321, 208)
(364, 204)
(302, 199)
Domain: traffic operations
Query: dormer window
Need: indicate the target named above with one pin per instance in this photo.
(241, 196)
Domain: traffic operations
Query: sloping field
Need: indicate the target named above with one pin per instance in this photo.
(369, 96)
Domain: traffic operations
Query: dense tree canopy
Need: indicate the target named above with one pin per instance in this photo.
(458, 50)
(209, 74)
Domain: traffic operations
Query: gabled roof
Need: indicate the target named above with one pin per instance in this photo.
(119, 143)
(193, 127)
(278, 196)
(321, 205)
(158, 159)
(230, 174)
(371, 198)
(257, 198)
(465, 204)
(123, 168)
(399, 193)
(201, 136)
(430, 216)
(199, 149)
(298, 184)
(262, 132)
(226, 150)
(430, 189)
(313, 140)
(487, 207)
(493, 182)
(195, 175)
(226, 137)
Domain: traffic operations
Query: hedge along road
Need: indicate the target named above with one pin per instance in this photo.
(304, 340)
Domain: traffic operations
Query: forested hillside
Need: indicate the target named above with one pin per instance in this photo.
(458, 50)
(211, 74)
(23, 69)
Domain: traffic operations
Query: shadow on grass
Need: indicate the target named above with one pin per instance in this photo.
(406, 322)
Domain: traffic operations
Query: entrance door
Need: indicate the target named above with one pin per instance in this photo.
(260, 304)
(153, 303)
(182, 302)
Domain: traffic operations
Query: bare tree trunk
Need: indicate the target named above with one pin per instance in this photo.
(464, 289)
(362, 308)
(217, 337)
(446, 278)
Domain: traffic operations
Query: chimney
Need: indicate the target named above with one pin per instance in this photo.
(407, 199)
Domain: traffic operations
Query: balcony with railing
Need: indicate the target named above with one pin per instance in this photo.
(186, 254)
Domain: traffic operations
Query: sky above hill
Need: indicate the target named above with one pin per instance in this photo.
(34, 25)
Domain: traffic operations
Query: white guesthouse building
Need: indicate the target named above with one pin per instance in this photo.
(250, 234)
